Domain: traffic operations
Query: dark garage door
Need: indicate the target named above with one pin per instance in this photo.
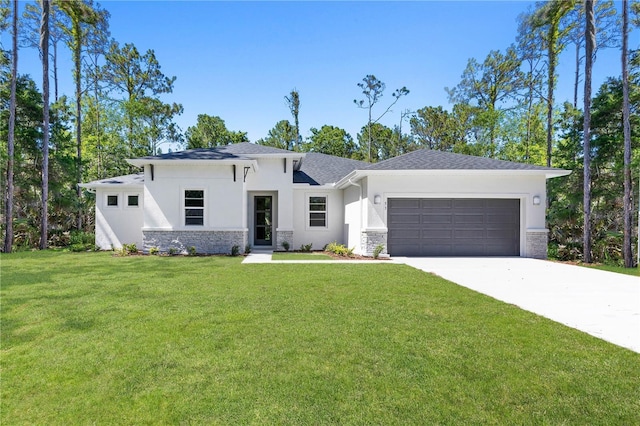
(453, 227)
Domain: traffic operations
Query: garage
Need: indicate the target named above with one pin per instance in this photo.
(453, 227)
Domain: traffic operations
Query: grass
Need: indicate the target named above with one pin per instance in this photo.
(90, 338)
(300, 256)
(619, 269)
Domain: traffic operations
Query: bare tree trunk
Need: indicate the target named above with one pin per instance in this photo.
(77, 76)
(44, 47)
(550, 85)
(8, 237)
(577, 77)
(55, 70)
(590, 38)
(626, 128)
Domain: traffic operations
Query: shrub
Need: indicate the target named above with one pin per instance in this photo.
(339, 249)
(81, 241)
(235, 250)
(376, 251)
(173, 251)
(191, 251)
(247, 249)
(306, 247)
(130, 248)
(77, 247)
(285, 245)
(154, 251)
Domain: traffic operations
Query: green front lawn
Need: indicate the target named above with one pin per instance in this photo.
(91, 338)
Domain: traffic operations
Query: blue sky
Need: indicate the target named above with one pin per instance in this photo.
(238, 60)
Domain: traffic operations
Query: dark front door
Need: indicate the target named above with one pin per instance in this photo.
(262, 221)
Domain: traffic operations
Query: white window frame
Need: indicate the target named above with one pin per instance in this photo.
(106, 200)
(183, 207)
(132, 194)
(325, 211)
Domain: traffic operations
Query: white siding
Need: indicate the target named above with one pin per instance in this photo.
(319, 237)
(118, 225)
(352, 217)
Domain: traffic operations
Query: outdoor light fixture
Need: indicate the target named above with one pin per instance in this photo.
(377, 199)
(536, 200)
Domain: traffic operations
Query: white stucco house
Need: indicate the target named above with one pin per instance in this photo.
(424, 203)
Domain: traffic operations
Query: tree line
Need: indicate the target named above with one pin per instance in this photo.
(503, 107)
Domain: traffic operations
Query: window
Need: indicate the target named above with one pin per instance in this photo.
(112, 201)
(132, 201)
(194, 207)
(318, 212)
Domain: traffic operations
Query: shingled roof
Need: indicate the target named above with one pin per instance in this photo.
(426, 159)
(234, 151)
(321, 169)
(133, 179)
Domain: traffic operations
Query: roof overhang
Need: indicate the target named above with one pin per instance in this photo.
(96, 185)
(356, 175)
(141, 162)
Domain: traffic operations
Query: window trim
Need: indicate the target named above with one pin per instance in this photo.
(183, 207)
(132, 194)
(107, 195)
(309, 226)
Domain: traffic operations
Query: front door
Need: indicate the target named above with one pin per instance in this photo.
(262, 221)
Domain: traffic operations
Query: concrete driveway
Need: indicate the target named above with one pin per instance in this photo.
(603, 304)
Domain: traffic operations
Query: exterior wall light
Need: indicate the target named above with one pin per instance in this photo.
(536, 200)
(377, 199)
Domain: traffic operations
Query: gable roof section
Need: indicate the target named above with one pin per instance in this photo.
(426, 159)
(322, 169)
(429, 161)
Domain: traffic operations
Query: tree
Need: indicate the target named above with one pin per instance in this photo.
(44, 48)
(331, 140)
(487, 85)
(626, 126)
(375, 142)
(283, 136)
(373, 89)
(531, 57)
(590, 40)
(436, 128)
(139, 78)
(548, 18)
(31, 33)
(80, 14)
(293, 101)
(211, 131)
(607, 34)
(8, 238)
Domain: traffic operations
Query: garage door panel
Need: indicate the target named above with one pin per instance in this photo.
(406, 234)
(454, 227)
(405, 219)
(428, 203)
(468, 218)
(411, 203)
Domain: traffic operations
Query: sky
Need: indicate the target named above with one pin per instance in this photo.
(238, 60)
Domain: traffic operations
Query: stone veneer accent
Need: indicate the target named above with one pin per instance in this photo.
(209, 242)
(536, 245)
(282, 236)
(370, 239)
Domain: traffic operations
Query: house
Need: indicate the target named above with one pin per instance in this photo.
(426, 202)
